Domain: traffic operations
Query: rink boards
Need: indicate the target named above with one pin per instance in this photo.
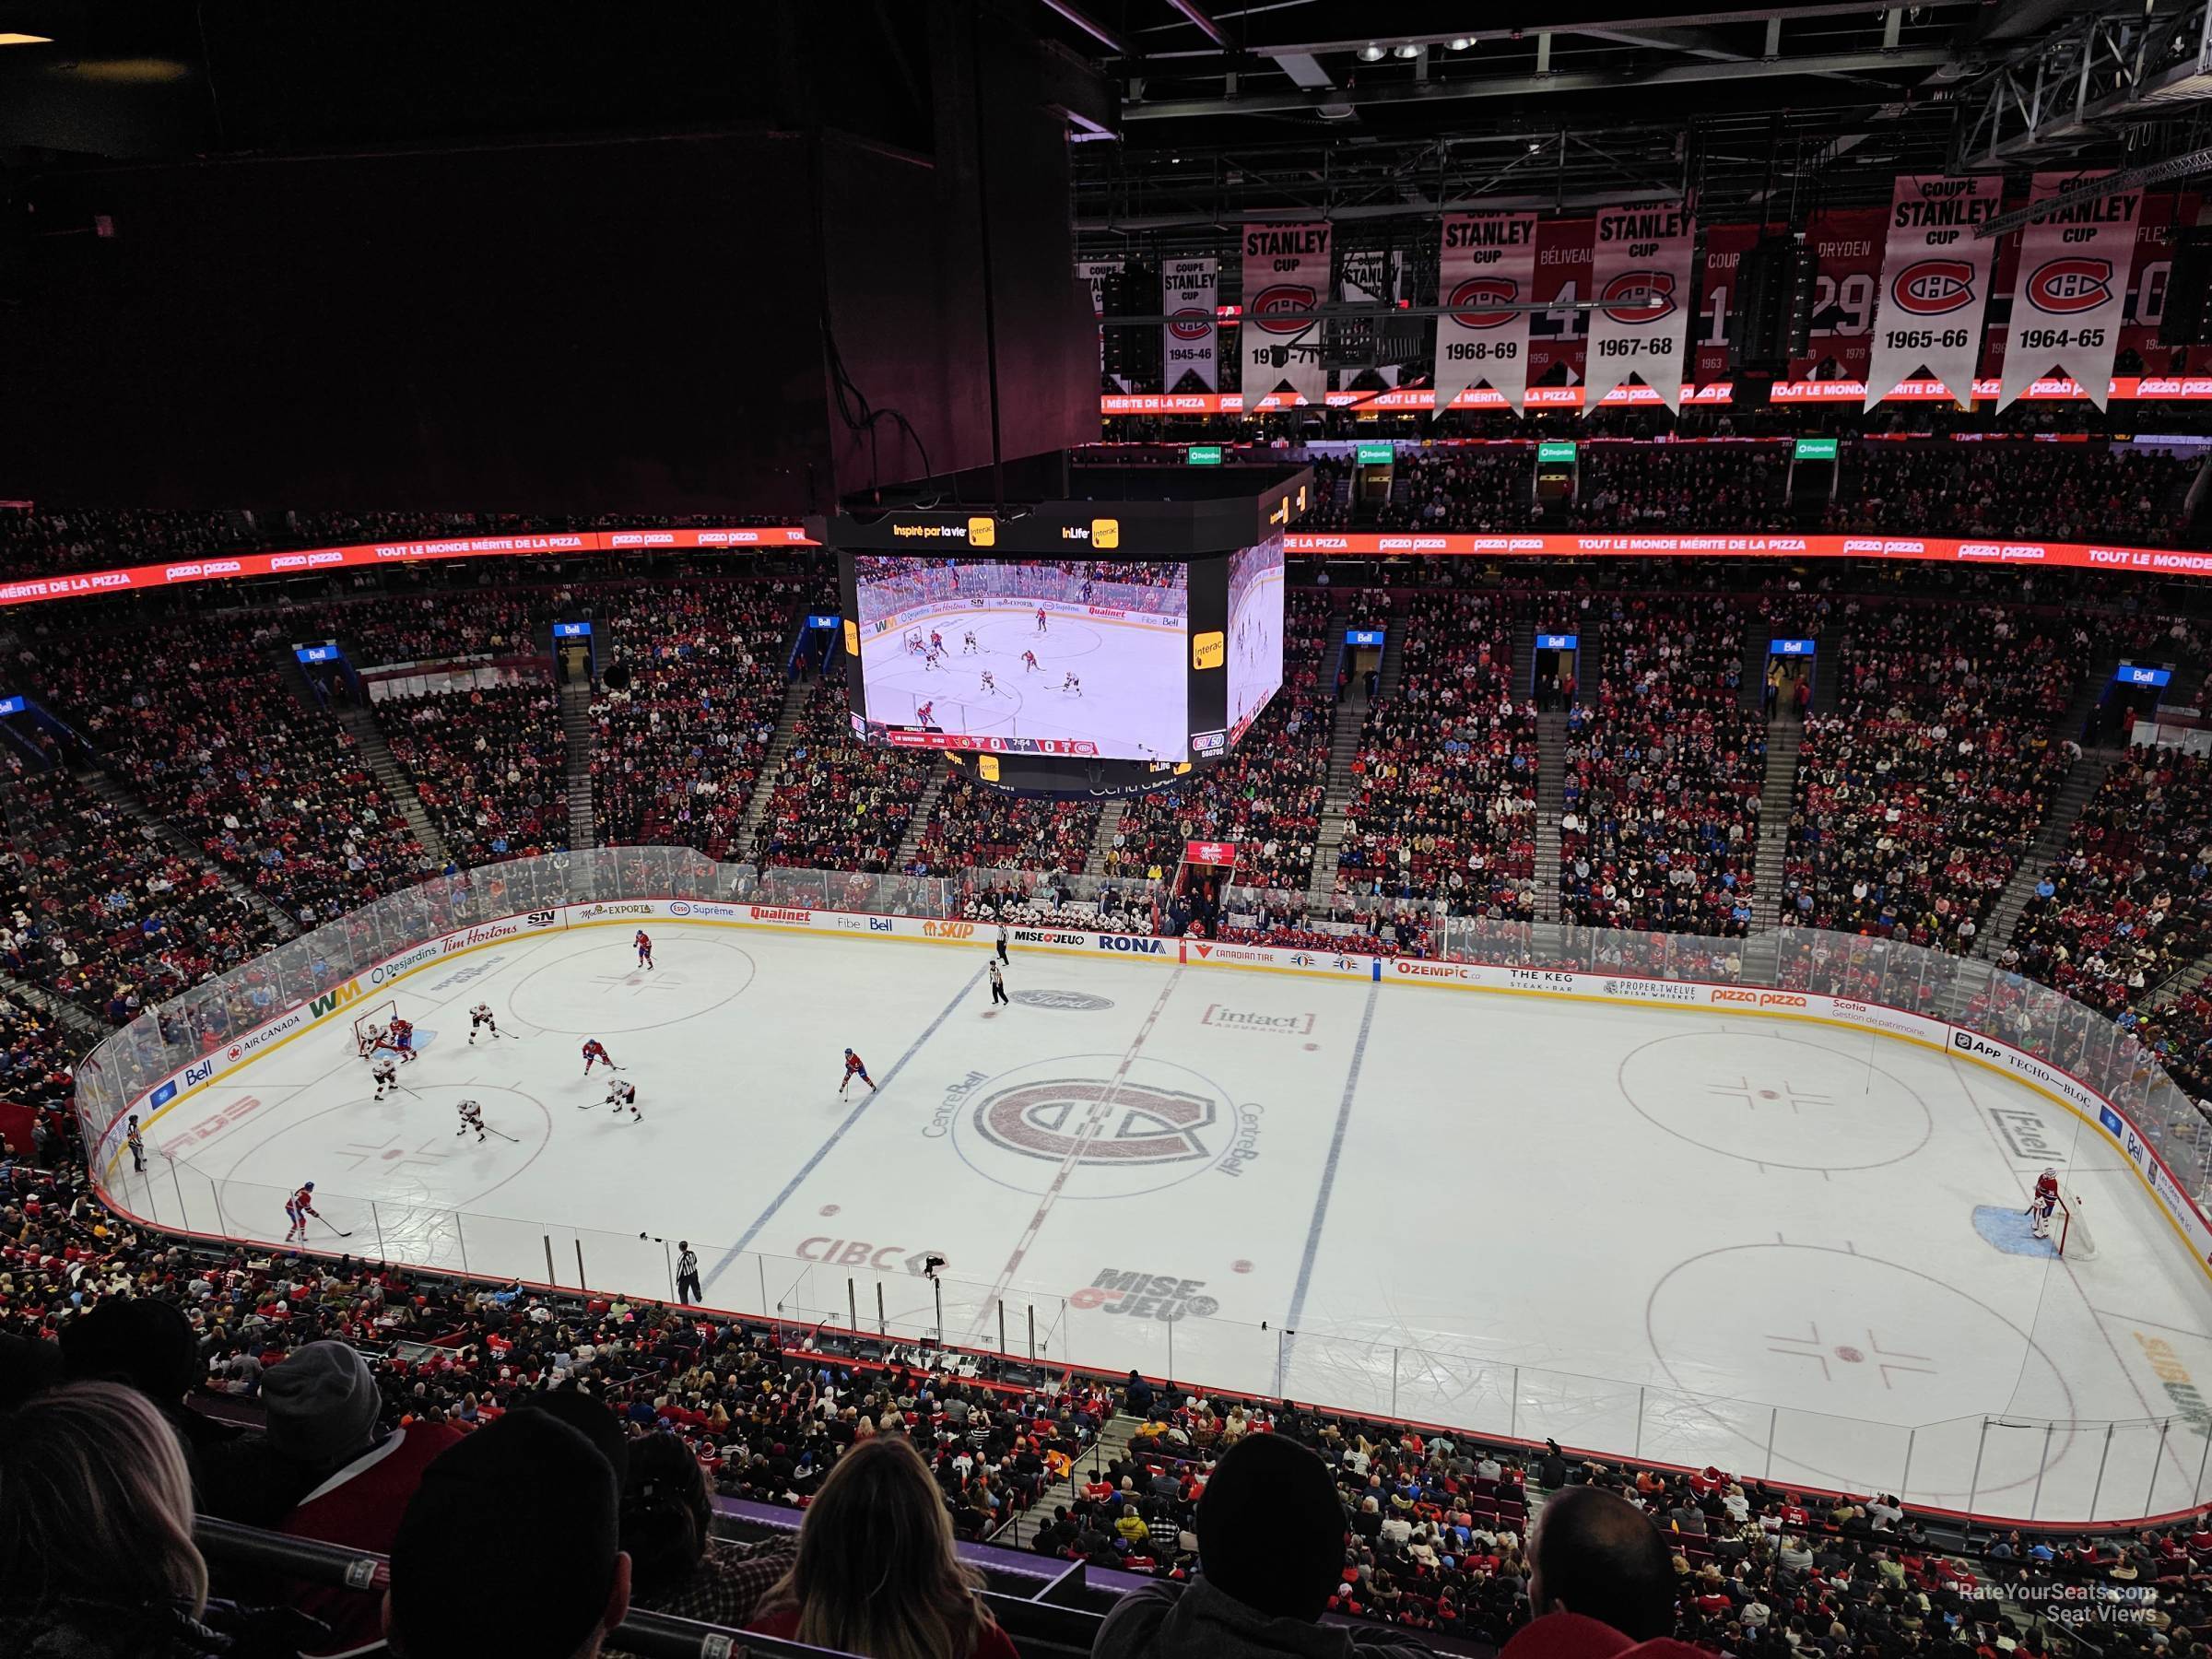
(344, 999)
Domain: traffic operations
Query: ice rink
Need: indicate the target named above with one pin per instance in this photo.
(1777, 1246)
(1133, 703)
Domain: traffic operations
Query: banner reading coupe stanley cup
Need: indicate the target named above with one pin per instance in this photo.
(1094, 273)
(1936, 282)
(1190, 289)
(1640, 276)
(1286, 269)
(1488, 265)
(2070, 296)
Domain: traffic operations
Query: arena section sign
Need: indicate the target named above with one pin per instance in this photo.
(300, 562)
(1940, 549)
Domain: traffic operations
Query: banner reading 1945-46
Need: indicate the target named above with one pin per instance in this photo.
(1936, 282)
(1640, 276)
(1190, 293)
(1286, 270)
(2070, 298)
(1488, 270)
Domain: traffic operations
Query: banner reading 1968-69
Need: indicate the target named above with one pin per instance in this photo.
(2070, 299)
(1936, 282)
(1488, 266)
(1640, 276)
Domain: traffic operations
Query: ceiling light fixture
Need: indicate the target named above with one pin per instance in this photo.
(1462, 44)
(1371, 53)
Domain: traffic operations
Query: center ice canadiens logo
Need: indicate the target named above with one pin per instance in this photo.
(1097, 1122)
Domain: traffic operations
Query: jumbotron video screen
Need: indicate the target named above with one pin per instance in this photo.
(1086, 658)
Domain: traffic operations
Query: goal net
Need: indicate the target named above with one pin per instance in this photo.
(2072, 1233)
(376, 1019)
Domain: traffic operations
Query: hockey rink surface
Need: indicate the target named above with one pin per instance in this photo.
(1781, 1247)
(1132, 704)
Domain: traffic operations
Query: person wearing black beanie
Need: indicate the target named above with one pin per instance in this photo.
(1271, 1531)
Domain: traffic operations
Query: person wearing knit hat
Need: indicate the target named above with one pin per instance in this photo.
(1271, 1540)
(511, 1544)
(322, 1403)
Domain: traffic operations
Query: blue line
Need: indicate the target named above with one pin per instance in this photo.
(1321, 1200)
(830, 1145)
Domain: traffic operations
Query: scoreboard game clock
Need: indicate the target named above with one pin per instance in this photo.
(1104, 629)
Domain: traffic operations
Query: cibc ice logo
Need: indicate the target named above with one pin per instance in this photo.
(2076, 283)
(1265, 312)
(1470, 297)
(1640, 296)
(1932, 287)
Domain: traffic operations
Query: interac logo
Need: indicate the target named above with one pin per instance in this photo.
(1208, 649)
(982, 533)
(1106, 533)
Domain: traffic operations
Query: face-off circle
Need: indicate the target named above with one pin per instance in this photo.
(1780, 1102)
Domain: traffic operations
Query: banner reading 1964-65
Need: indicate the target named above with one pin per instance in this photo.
(1936, 282)
(1488, 268)
(2070, 298)
(1286, 270)
(1640, 276)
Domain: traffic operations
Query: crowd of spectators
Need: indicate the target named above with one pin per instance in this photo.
(205, 729)
(1444, 779)
(973, 825)
(1462, 488)
(1679, 486)
(2043, 492)
(1665, 764)
(490, 764)
(489, 621)
(679, 748)
(100, 912)
(834, 802)
(1916, 801)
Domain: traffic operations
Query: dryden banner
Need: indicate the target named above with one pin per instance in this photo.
(1286, 269)
(1189, 291)
(2071, 295)
(1935, 281)
(1640, 277)
(1371, 275)
(1094, 272)
(1488, 266)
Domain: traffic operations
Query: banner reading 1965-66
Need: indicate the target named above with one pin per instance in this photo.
(1286, 270)
(1488, 268)
(2070, 298)
(1640, 277)
(1935, 281)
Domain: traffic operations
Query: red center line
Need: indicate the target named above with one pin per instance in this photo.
(1092, 1122)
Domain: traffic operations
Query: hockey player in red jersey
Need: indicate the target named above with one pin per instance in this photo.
(2046, 1203)
(1029, 663)
(402, 1038)
(1041, 627)
(926, 716)
(855, 1067)
(298, 1208)
(644, 945)
(593, 1051)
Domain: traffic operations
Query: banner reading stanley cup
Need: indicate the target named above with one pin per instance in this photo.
(1189, 290)
(1935, 281)
(2070, 296)
(1286, 269)
(1640, 276)
(1094, 273)
(1488, 265)
(1371, 275)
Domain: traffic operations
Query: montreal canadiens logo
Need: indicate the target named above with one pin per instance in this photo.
(1640, 296)
(1469, 298)
(2076, 283)
(1191, 324)
(1933, 287)
(1282, 296)
(1097, 1122)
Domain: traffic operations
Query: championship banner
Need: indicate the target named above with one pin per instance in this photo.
(1370, 275)
(1489, 261)
(1190, 290)
(1639, 270)
(1936, 283)
(1286, 269)
(1095, 272)
(2071, 295)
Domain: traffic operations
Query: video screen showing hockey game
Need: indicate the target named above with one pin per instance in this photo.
(1083, 657)
(1255, 631)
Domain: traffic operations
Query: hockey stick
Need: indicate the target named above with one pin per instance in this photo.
(340, 1230)
(509, 1138)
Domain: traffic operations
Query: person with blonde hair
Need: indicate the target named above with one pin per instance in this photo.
(96, 1550)
(875, 1574)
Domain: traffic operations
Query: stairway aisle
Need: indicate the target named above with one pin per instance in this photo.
(1784, 738)
(577, 733)
(1336, 793)
(110, 790)
(1114, 1440)
(1552, 794)
(910, 844)
(1110, 824)
(2083, 779)
(377, 755)
(778, 748)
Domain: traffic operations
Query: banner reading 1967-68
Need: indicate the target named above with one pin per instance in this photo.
(1640, 276)
(1488, 266)
(1936, 282)
(1286, 270)
(2070, 298)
